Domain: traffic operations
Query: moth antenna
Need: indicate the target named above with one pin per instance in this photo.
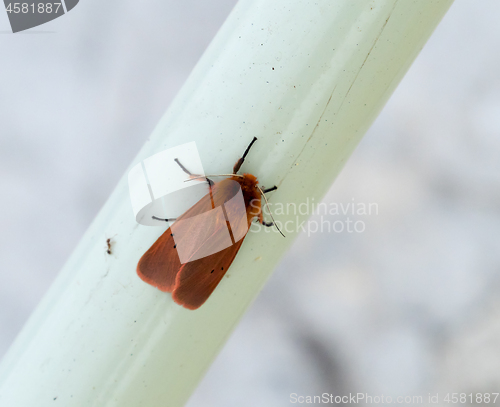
(249, 147)
(270, 213)
(240, 161)
(215, 175)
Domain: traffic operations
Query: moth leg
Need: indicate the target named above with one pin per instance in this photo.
(163, 219)
(261, 221)
(270, 189)
(239, 163)
(210, 182)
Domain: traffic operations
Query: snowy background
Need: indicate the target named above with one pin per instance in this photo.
(409, 306)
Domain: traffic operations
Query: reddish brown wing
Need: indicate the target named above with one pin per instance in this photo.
(160, 265)
(197, 279)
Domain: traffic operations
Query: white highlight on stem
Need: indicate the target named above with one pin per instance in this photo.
(307, 78)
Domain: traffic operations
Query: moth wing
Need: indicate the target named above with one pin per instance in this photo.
(160, 264)
(197, 279)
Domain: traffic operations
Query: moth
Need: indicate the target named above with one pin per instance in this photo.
(192, 282)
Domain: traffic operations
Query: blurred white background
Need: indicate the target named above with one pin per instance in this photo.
(409, 306)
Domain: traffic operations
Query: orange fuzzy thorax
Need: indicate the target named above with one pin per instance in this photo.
(251, 195)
